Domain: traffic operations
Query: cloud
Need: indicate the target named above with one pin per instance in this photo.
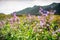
(16, 5)
(17, 0)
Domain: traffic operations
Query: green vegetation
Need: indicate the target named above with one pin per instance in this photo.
(29, 29)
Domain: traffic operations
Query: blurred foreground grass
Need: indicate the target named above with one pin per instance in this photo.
(29, 29)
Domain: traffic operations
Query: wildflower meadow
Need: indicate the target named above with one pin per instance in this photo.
(31, 27)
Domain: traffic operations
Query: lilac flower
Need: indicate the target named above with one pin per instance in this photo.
(56, 31)
(3, 22)
(51, 18)
(15, 18)
(14, 14)
(29, 16)
(43, 12)
(38, 17)
(41, 8)
(42, 23)
(11, 21)
(45, 15)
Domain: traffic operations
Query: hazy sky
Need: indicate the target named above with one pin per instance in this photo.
(9, 6)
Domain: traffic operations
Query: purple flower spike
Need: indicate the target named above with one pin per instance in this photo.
(41, 23)
(11, 21)
(38, 17)
(44, 12)
(41, 8)
(14, 14)
(29, 16)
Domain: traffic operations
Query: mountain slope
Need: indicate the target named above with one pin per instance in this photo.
(35, 9)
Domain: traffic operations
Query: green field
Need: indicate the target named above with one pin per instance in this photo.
(29, 28)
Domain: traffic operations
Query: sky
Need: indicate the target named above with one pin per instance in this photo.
(10, 6)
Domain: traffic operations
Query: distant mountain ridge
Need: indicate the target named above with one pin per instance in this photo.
(35, 9)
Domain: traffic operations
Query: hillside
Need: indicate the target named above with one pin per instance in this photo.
(35, 9)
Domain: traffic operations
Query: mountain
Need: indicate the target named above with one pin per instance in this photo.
(31, 10)
(35, 9)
